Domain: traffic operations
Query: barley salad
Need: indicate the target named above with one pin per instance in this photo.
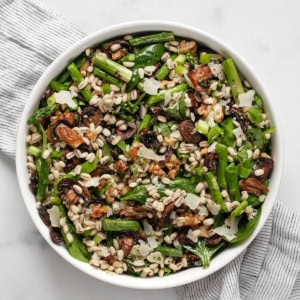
(148, 155)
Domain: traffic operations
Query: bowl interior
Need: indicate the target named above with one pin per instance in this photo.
(59, 64)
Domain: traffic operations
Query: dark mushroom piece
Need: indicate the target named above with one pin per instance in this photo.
(210, 161)
(165, 216)
(239, 117)
(55, 235)
(189, 134)
(139, 213)
(91, 114)
(191, 259)
(149, 138)
(118, 53)
(123, 134)
(214, 240)
(253, 186)
(264, 163)
(44, 215)
(183, 239)
(101, 170)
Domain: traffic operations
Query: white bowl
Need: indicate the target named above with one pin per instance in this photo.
(60, 63)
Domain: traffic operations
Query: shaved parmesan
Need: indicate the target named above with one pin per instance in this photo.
(54, 215)
(94, 181)
(151, 86)
(64, 97)
(225, 232)
(150, 154)
(246, 98)
(148, 229)
(192, 236)
(144, 250)
(192, 201)
(213, 207)
(168, 97)
(152, 242)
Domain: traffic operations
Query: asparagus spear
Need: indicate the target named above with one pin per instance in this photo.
(153, 38)
(77, 78)
(169, 251)
(233, 78)
(154, 99)
(164, 70)
(222, 152)
(233, 182)
(112, 67)
(107, 77)
(120, 225)
(215, 190)
(239, 210)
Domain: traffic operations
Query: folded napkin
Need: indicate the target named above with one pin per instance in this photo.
(31, 36)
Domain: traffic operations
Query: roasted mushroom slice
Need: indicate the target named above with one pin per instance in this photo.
(126, 244)
(189, 134)
(264, 164)
(165, 216)
(199, 78)
(69, 136)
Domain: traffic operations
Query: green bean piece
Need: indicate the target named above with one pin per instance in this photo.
(205, 58)
(145, 123)
(202, 127)
(180, 70)
(169, 251)
(123, 147)
(78, 78)
(214, 132)
(105, 76)
(120, 225)
(34, 151)
(233, 79)
(43, 168)
(191, 59)
(228, 136)
(89, 167)
(112, 67)
(222, 152)
(246, 228)
(154, 99)
(57, 86)
(41, 112)
(258, 101)
(215, 190)
(232, 178)
(128, 57)
(152, 39)
(205, 253)
(239, 210)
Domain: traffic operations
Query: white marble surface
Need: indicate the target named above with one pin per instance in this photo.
(265, 33)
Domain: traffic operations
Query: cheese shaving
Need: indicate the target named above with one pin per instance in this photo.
(150, 154)
(246, 98)
(151, 86)
(64, 97)
(54, 215)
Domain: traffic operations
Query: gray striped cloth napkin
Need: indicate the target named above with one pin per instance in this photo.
(31, 36)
